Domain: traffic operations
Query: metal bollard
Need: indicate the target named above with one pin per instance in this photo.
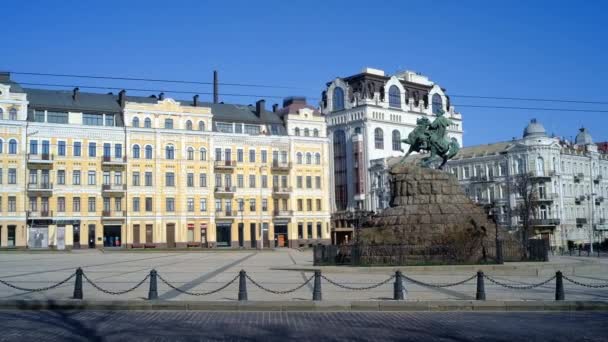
(153, 291)
(481, 288)
(242, 285)
(316, 292)
(398, 286)
(78, 284)
(559, 286)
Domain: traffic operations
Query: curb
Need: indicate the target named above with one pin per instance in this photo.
(310, 306)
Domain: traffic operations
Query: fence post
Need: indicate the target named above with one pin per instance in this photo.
(316, 293)
(559, 286)
(499, 256)
(153, 291)
(481, 288)
(78, 284)
(242, 285)
(398, 286)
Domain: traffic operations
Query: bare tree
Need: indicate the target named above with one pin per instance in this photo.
(526, 207)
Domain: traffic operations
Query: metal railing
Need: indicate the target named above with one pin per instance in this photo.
(224, 163)
(114, 160)
(225, 189)
(277, 165)
(40, 186)
(545, 222)
(114, 187)
(282, 212)
(226, 213)
(281, 189)
(113, 213)
(40, 157)
(39, 213)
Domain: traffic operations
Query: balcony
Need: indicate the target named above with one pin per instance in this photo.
(597, 179)
(280, 166)
(40, 188)
(282, 213)
(225, 190)
(542, 175)
(481, 179)
(113, 161)
(224, 165)
(113, 189)
(40, 214)
(547, 222)
(226, 214)
(578, 177)
(281, 191)
(40, 159)
(545, 198)
(113, 215)
(579, 199)
(581, 221)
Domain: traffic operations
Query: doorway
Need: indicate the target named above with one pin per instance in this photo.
(170, 235)
(253, 235)
(241, 235)
(136, 234)
(11, 236)
(224, 237)
(61, 237)
(280, 236)
(149, 233)
(76, 237)
(112, 236)
(91, 236)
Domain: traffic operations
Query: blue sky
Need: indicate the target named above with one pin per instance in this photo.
(532, 49)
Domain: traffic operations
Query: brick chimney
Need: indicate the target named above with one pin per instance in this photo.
(260, 106)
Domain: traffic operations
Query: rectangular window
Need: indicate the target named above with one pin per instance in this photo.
(218, 154)
(264, 181)
(77, 148)
(218, 179)
(240, 183)
(224, 127)
(300, 231)
(190, 180)
(168, 123)
(300, 207)
(135, 178)
(238, 128)
(170, 205)
(38, 115)
(76, 177)
(61, 204)
(308, 182)
(118, 150)
(252, 181)
(61, 148)
(309, 204)
(239, 155)
(91, 119)
(0, 176)
(252, 156)
(76, 204)
(218, 205)
(106, 178)
(92, 149)
(148, 179)
(284, 181)
(169, 179)
(12, 204)
(148, 204)
(33, 146)
(136, 204)
(61, 177)
(91, 178)
(107, 150)
(110, 120)
(318, 182)
(12, 176)
(241, 204)
(318, 205)
(252, 204)
(202, 180)
(264, 204)
(190, 204)
(203, 204)
(91, 206)
(309, 230)
(264, 156)
(57, 117)
(252, 129)
(299, 182)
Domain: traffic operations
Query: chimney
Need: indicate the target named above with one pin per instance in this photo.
(215, 87)
(122, 98)
(161, 96)
(260, 106)
(275, 107)
(75, 94)
(195, 100)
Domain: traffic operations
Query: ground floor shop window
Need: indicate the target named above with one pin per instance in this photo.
(223, 235)
(280, 235)
(112, 236)
(11, 236)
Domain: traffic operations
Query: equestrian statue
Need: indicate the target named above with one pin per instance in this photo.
(432, 137)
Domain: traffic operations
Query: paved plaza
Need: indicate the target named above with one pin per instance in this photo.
(277, 326)
(204, 271)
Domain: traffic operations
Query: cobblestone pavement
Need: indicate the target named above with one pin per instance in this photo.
(204, 271)
(277, 326)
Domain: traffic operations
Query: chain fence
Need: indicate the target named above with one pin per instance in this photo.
(412, 280)
(346, 287)
(115, 293)
(518, 287)
(41, 289)
(593, 286)
(197, 293)
(279, 291)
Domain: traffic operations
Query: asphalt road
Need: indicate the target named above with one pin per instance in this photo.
(281, 326)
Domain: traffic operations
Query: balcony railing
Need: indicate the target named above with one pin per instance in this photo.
(282, 213)
(547, 197)
(224, 164)
(40, 213)
(109, 160)
(225, 189)
(114, 187)
(581, 221)
(545, 222)
(113, 213)
(282, 190)
(226, 214)
(281, 166)
(41, 186)
(43, 158)
(578, 177)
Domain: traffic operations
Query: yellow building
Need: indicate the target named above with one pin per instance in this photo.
(141, 172)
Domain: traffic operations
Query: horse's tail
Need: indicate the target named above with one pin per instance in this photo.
(454, 148)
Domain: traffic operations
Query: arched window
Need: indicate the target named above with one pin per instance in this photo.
(338, 99)
(136, 151)
(12, 114)
(299, 158)
(306, 132)
(190, 153)
(203, 153)
(189, 125)
(308, 158)
(394, 97)
(318, 158)
(147, 123)
(135, 122)
(315, 132)
(379, 138)
(148, 152)
(169, 152)
(437, 104)
(12, 146)
(396, 140)
(168, 123)
(297, 131)
(201, 126)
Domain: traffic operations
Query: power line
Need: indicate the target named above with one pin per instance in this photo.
(528, 99)
(148, 80)
(536, 108)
